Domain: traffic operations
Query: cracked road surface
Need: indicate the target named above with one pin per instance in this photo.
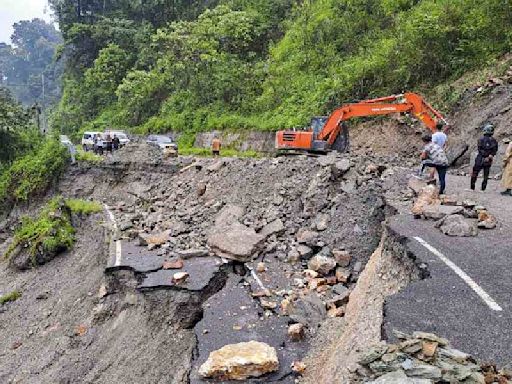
(445, 303)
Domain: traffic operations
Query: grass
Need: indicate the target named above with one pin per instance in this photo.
(83, 207)
(88, 157)
(51, 231)
(12, 296)
(207, 152)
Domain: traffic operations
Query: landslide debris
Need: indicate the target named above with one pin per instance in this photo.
(424, 358)
(453, 217)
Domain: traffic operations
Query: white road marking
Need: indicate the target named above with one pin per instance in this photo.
(255, 276)
(468, 280)
(117, 242)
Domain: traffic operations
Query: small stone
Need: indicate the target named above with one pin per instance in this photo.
(322, 264)
(342, 257)
(342, 274)
(293, 256)
(358, 267)
(431, 337)
(260, 267)
(201, 189)
(306, 236)
(173, 264)
(410, 346)
(273, 228)
(102, 292)
(321, 221)
(180, 277)
(304, 251)
(193, 252)
(429, 348)
(298, 367)
(296, 332)
(240, 361)
(267, 304)
(310, 273)
(336, 312)
(373, 353)
(486, 220)
(80, 330)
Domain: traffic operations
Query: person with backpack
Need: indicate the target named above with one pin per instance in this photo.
(433, 156)
(487, 149)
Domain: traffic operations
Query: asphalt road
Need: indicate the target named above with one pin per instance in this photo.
(445, 303)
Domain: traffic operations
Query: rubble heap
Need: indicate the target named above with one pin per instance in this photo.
(424, 358)
(453, 217)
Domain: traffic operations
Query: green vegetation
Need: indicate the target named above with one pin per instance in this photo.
(12, 296)
(83, 207)
(32, 174)
(51, 231)
(29, 61)
(17, 134)
(158, 65)
(88, 156)
(207, 152)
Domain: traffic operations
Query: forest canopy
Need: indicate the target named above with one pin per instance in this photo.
(163, 65)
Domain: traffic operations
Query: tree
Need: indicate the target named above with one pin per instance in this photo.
(30, 61)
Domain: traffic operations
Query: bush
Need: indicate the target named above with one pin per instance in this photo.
(88, 157)
(83, 207)
(33, 173)
(12, 296)
(51, 232)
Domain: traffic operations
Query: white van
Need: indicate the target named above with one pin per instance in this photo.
(88, 140)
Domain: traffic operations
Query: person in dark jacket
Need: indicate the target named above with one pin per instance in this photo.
(487, 149)
(115, 143)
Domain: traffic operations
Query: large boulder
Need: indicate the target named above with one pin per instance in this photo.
(457, 225)
(231, 239)
(428, 197)
(240, 361)
(236, 242)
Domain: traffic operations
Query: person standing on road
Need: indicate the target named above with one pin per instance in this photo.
(115, 143)
(507, 171)
(487, 149)
(216, 145)
(99, 145)
(433, 156)
(438, 138)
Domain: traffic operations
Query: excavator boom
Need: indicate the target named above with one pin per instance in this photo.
(329, 136)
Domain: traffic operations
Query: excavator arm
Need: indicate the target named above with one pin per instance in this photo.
(324, 140)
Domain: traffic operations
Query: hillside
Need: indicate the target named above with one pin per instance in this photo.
(237, 64)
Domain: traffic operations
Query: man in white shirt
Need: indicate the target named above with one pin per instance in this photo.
(439, 137)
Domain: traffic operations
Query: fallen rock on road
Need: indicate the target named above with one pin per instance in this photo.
(240, 361)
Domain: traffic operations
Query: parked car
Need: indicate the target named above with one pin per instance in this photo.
(88, 140)
(162, 142)
(123, 137)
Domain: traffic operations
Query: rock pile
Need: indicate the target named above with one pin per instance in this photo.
(424, 358)
(453, 217)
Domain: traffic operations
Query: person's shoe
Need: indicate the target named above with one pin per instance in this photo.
(508, 192)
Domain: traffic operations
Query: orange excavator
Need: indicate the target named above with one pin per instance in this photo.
(330, 133)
